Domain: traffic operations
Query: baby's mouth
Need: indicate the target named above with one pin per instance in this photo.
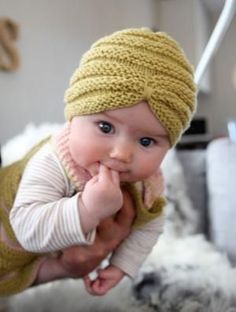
(118, 169)
(116, 166)
(94, 168)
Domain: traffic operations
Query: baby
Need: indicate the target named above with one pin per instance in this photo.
(128, 103)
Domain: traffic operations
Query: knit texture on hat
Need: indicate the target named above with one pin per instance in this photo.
(130, 66)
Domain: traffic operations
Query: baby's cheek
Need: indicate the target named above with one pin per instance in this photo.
(146, 171)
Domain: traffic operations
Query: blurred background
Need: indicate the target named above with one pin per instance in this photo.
(52, 35)
(41, 44)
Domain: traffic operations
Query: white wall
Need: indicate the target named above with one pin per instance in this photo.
(53, 36)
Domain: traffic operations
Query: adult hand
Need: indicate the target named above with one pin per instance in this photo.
(78, 261)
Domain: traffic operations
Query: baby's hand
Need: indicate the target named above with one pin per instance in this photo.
(102, 196)
(107, 278)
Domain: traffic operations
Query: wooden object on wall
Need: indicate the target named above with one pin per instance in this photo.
(9, 58)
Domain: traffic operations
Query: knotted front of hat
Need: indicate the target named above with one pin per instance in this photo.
(130, 66)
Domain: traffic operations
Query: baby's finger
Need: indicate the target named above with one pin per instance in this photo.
(94, 288)
(108, 175)
(88, 284)
(104, 173)
(93, 180)
(115, 177)
(99, 287)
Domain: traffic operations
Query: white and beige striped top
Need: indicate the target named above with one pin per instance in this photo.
(45, 216)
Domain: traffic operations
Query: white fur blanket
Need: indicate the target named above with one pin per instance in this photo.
(181, 275)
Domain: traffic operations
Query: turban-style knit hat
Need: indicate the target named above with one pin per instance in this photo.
(130, 66)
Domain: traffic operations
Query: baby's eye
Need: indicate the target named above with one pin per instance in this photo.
(146, 142)
(105, 127)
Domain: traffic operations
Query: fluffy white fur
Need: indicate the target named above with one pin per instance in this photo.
(16, 147)
(182, 275)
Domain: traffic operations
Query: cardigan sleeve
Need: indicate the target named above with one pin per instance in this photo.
(44, 216)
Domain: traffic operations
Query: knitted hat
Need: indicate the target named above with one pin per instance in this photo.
(130, 66)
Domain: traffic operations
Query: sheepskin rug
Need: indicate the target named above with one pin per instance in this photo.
(181, 275)
(184, 272)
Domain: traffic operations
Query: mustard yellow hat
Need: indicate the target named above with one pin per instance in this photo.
(130, 66)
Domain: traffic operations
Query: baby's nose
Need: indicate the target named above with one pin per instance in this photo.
(122, 152)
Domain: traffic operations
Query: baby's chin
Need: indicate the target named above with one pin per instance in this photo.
(127, 177)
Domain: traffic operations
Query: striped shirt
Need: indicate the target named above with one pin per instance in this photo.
(45, 215)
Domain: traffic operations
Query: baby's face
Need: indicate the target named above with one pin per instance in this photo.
(130, 141)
